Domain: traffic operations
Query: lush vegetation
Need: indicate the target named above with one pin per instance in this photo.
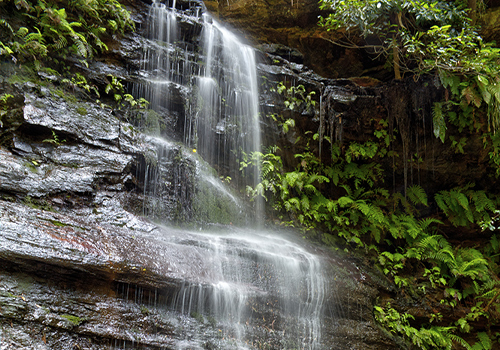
(45, 32)
(344, 200)
(45, 38)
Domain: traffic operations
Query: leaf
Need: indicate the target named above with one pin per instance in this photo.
(438, 121)
(345, 201)
(417, 195)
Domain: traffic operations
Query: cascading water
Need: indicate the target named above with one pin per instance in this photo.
(260, 290)
(257, 290)
(229, 94)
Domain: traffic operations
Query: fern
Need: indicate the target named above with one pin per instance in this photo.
(50, 26)
(483, 343)
(417, 195)
(23, 4)
(373, 213)
(436, 247)
(460, 210)
(438, 121)
(7, 25)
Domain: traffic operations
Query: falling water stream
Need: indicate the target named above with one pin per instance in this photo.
(257, 289)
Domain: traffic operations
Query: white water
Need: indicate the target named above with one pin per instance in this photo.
(256, 276)
(159, 55)
(261, 290)
(228, 88)
(217, 81)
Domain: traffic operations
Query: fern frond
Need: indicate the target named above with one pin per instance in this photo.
(81, 45)
(20, 4)
(461, 199)
(438, 121)
(417, 195)
(489, 294)
(484, 340)
(294, 179)
(61, 43)
(38, 37)
(344, 201)
(373, 213)
(293, 204)
(7, 25)
(441, 202)
(311, 189)
(460, 341)
(317, 177)
(427, 222)
(482, 202)
(304, 203)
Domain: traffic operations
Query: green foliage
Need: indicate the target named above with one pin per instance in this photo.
(432, 337)
(438, 37)
(4, 106)
(132, 110)
(416, 36)
(438, 121)
(295, 97)
(484, 342)
(60, 28)
(79, 81)
(344, 198)
(464, 206)
(117, 90)
(54, 140)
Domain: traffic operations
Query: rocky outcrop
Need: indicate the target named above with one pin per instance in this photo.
(84, 263)
(294, 26)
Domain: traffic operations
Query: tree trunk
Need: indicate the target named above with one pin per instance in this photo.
(395, 59)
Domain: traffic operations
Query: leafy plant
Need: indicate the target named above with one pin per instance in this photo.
(432, 337)
(54, 140)
(60, 28)
(344, 198)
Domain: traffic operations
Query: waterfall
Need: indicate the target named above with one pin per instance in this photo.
(256, 292)
(258, 289)
(229, 94)
(213, 87)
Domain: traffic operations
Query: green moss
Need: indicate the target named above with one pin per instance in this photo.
(37, 203)
(213, 206)
(81, 110)
(75, 320)
(197, 316)
(59, 93)
(58, 223)
(31, 167)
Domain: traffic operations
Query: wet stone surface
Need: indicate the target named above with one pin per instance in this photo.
(84, 263)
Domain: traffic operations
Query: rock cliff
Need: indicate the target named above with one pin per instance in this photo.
(85, 263)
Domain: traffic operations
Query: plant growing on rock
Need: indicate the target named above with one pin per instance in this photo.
(55, 30)
(344, 197)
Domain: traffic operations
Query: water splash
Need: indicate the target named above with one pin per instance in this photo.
(256, 291)
(228, 90)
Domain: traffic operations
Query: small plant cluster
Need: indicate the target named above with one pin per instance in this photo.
(40, 36)
(345, 199)
(53, 30)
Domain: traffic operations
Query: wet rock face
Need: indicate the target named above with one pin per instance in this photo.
(105, 278)
(81, 269)
(83, 266)
(295, 25)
